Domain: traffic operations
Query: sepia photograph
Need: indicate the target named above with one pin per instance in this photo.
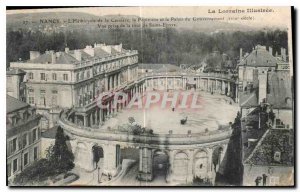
(186, 96)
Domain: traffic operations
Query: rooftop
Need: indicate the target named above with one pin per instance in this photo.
(160, 67)
(259, 57)
(76, 56)
(248, 99)
(274, 141)
(15, 72)
(50, 133)
(13, 104)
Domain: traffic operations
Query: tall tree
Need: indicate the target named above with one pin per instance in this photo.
(62, 158)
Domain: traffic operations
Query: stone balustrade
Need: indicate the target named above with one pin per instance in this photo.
(156, 139)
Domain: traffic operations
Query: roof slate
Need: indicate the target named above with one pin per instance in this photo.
(259, 57)
(275, 140)
(13, 104)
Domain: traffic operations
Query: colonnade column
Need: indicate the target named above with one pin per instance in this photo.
(210, 164)
(91, 119)
(207, 85)
(190, 166)
(229, 89)
(166, 85)
(75, 119)
(128, 74)
(236, 93)
(145, 166)
(100, 116)
(85, 120)
(171, 163)
(96, 116)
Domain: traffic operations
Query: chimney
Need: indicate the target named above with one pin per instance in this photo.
(118, 47)
(67, 49)
(255, 78)
(251, 142)
(53, 57)
(262, 87)
(58, 54)
(77, 54)
(89, 50)
(106, 48)
(283, 54)
(241, 54)
(271, 51)
(34, 54)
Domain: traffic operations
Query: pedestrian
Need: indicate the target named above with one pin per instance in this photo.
(257, 181)
(264, 179)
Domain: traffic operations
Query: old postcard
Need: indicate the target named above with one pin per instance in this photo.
(150, 96)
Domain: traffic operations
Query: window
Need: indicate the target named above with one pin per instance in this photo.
(54, 100)
(30, 90)
(43, 100)
(31, 100)
(42, 91)
(8, 167)
(35, 153)
(15, 165)
(43, 76)
(277, 155)
(24, 138)
(65, 77)
(53, 76)
(30, 75)
(13, 145)
(25, 159)
(34, 135)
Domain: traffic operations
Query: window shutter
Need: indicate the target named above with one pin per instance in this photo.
(30, 137)
(8, 144)
(20, 144)
(39, 133)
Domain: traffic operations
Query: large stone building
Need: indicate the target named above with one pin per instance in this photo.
(15, 85)
(22, 136)
(258, 63)
(74, 78)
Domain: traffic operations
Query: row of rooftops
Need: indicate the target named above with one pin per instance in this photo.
(86, 54)
(261, 57)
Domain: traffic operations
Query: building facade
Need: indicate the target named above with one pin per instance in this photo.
(266, 101)
(22, 136)
(73, 78)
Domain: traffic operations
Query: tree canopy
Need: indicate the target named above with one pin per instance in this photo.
(154, 45)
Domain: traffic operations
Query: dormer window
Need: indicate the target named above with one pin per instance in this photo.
(277, 156)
